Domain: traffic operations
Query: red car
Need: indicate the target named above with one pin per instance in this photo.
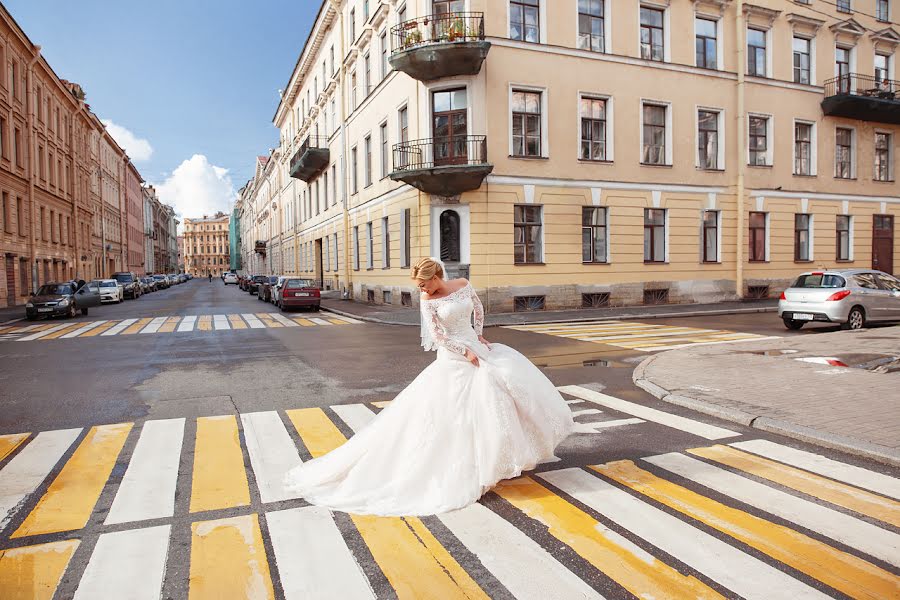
(299, 293)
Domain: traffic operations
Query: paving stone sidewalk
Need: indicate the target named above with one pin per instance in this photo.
(763, 385)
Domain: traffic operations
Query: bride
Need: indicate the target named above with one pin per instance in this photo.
(480, 413)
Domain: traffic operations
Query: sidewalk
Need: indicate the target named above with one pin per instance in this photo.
(762, 385)
(394, 315)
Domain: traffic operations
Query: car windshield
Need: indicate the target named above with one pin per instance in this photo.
(819, 280)
(124, 278)
(108, 284)
(260, 278)
(273, 280)
(55, 289)
(159, 277)
(300, 283)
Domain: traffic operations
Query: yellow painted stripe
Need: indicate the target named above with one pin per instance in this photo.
(136, 327)
(844, 572)
(338, 322)
(100, 329)
(641, 574)
(204, 323)
(268, 321)
(861, 501)
(304, 322)
(381, 403)
(63, 331)
(7, 329)
(412, 559)
(228, 560)
(237, 322)
(10, 442)
(70, 499)
(219, 478)
(170, 325)
(34, 572)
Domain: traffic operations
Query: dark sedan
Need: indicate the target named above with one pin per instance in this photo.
(162, 282)
(62, 300)
(299, 293)
(264, 289)
(131, 284)
(254, 282)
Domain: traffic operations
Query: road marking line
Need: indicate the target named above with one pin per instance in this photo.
(204, 323)
(237, 322)
(252, 321)
(219, 479)
(284, 320)
(147, 490)
(356, 416)
(304, 322)
(854, 532)
(120, 327)
(710, 432)
(864, 478)
(347, 319)
(844, 572)
(101, 329)
(29, 468)
(154, 325)
(137, 327)
(228, 560)
(169, 325)
(40, 334)
(69, 501)
(220, 322)
(126, 564)
(414, 562)
(319, 321)
(64, 332)
(187, 324)
(855, 499)
(756, 339)
(596, 425)
(586, 411)
(268, 320)
(627, 564)
(34, 572)
(10, 442)
(313, 558)
(272, 454)
(338, 322)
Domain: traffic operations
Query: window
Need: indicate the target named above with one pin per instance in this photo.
(842, 69)
(527, 240)
(593, 129)
(318, 198)
(331, 60)
(20, 216)
(17, 145)
(843, 6)
(759, 144)
(384, 149)
(334, 254)
(367, 82)
(385, 244)
(654, 235)
(326, 246)
(710, 236)
(369, 246)
(325, 189)
(352, 25)
(593, 235)
(368, 150)
(353, 171)
(365, 10)
(525, 20)
(654, 143)
(334, 184)
(405, 231)
(802, 237)
(385, 65)
(882, 10)
(333, 115)
(652, 38)
(708, 139)
(843, 237)
(843, 153)
(758, 235)
(591, 26)
(882, 68)
(41, 173)
(526, 125)
(4, 135)
(801, 60)
(803, 149)
(353, 90)
(705, 44)
(7, 218)
(356, 247)
(756, 52)
(401, 14)
(883, 158)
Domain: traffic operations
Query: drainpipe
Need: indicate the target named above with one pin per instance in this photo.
(32, 172)
(742, 151)
(345, 199)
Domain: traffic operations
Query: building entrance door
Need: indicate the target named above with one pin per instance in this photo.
(883, 243)
(10, 280)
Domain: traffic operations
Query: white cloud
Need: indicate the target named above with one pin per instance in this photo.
(136, 148)
(196, 188)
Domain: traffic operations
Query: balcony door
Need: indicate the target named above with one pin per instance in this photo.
(842, 66)
(450, 126)
(444, 23)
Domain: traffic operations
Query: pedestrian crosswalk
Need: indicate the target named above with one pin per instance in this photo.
(54, 330)
(727, 518)
(644, 337)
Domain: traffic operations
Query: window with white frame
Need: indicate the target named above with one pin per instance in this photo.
(804, 148)
(882, 71)
(706, 43)
(353, 104)
(334, 184)
(367, 82)
(368, 159)
(883, 156)
(593, 129)
(326, 244)
(594, 234)
(802, 237)
(385, 243)
(356, 247)
(843, 6)
(653, 43)
(708, 143)
(383, 130)
(756, 52)
(334, 253)
(352, 22)
(802, 57)
(525, 20)
(653, 148)
(758, 224)
(843, 153)
(758, 139)
(654, 235)
(331, 59)
(592, 25)
(370, 247)
(883, 10)
(405, 237)
(710, 233)
(354, 170)
(842, 58)
(385, 65)
(526, 123)
(843, 237)
(527, 234)
(325, 190)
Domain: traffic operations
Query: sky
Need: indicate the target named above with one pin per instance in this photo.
(187, 87)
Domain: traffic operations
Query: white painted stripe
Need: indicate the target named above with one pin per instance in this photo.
(710, 432)
(187, 324)
(84, 329)
(864, 478)
(147, 490)
(30, 467)
(741, 573)
(40, 334)
(119, 328)
(356, 416)
(517, 561)
(220, 322)
(343, 318)
(854, 532)
(320, 321)
(284, 320)
(616, 423)
(154, 325)
(754, 339)
(27, 328)
(127, 564)
(312, 557)
(253, 321)
(586, 411)
(272, 453)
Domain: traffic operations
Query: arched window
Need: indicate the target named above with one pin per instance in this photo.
(450, 236)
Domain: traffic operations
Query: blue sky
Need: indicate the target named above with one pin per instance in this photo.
(189, 77)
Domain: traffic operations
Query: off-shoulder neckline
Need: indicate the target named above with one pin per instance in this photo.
(465, 285)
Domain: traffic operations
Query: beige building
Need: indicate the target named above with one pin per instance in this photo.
(570, 153)
(206, 249)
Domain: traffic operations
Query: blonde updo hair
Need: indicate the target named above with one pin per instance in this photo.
(425, 269)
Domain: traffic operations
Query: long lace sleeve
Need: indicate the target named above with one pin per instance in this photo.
(438, 336)
(478, 311)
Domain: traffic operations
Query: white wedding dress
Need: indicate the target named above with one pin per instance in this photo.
(452, 434)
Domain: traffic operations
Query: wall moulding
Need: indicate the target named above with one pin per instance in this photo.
(760, 16)
(710, 8)
(803, 25)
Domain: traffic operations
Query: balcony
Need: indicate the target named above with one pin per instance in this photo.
(311, 158)
(445, 166)
(260, 247)
(442, 45)
(862, 97)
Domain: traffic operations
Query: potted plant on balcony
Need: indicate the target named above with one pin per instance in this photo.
(412, 38)
(456, 30)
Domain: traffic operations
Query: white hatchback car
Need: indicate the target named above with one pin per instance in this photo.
(230, 278)
(111, 291)
(851, 297)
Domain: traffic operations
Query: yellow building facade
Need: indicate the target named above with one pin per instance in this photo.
(206, 250)
(566, 154)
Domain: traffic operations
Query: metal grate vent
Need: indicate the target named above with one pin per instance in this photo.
(529, 303)
(598, 300)
(757, 292)
(656, 296)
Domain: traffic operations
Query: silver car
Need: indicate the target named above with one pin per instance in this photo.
(851, 297)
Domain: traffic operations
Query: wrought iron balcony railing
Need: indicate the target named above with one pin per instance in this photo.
(442, 151)
(855, 84)
(863, 97)
(437, 29)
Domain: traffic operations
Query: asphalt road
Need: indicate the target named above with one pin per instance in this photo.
(140, 377)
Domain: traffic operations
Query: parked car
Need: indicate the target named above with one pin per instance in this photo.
(276, 290)
(162, 281)
(130, 283)
(253, 284)
(148, 284)
(111, 290)
(299, 293)
(264, 290)
(62, 300)
(230, 278)
(244, 281)
(851, 297)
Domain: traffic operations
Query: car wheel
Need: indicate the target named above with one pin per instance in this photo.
(855, 320)
(792, 324)
(70, 314)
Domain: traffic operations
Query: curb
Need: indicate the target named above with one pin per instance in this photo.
(875, 452)
(351, 315)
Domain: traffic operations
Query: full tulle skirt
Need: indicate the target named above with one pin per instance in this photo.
(445, 440)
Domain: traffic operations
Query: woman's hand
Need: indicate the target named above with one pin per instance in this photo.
(484, 341)
(470, 356)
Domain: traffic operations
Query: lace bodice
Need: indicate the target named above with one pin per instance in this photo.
(449, 320)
